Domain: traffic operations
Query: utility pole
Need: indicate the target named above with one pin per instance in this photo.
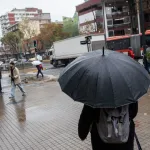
(142, 22)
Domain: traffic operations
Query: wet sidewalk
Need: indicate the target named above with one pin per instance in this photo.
(46, 119)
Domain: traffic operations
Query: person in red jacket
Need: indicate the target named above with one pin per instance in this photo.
(131, 53)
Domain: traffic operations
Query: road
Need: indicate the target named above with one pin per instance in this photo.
(50, 70)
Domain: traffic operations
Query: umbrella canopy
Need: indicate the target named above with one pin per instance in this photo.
(108, 81)
(1, 63)
(35, 63)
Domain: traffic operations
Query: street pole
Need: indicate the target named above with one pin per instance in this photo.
(142, 22)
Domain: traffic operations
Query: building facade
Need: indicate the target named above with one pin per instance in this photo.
(119, 17)
(90, 15)
(16, 15)
(35, 22)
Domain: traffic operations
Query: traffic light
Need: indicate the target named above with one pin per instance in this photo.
(35, 43)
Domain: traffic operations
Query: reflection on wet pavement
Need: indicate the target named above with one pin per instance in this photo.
(2, 107)
(46, 119)
(20, 112)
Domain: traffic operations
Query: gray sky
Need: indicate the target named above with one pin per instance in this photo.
(57, 8)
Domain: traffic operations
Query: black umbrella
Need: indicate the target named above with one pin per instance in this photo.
(105, 81)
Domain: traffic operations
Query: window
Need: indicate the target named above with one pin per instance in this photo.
(119, 32)
(108, 11)
(109, 22)
(111, 33)
(127, 20)
(118, 21)
(99, 13)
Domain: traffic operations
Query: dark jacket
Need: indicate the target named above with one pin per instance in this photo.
(87, 121)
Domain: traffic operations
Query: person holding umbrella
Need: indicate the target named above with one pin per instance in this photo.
(39, 67)
(90, 116)
(109, 84)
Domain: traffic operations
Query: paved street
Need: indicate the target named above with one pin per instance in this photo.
(47, 120)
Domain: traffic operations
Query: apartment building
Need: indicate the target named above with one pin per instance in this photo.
(40, 21)
(90, 15)
(115, 17)
(16, 15)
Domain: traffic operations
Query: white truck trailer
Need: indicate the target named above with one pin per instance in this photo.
(63, 52)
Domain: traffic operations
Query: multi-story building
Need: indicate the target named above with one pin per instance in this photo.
(90, 15)
(119, 17)
(30, 27)
(40, 20)
(16, 15)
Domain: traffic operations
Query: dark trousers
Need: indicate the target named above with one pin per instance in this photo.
(39, 72)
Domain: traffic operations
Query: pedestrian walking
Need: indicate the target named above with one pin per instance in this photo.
(39, 70)
(15, 80)
(88, 122)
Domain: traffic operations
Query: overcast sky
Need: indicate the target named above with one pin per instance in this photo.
(57, 8)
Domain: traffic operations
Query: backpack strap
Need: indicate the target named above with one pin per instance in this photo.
(109, 121)
(122, 117)
(137, 141)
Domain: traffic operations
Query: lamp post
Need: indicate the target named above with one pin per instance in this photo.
(142, 21)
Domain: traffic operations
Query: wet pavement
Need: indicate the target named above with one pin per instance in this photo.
(49, 70)
(47, 119)
(44, 119)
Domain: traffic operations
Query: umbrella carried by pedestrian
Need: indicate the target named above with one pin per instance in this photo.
(37, 62)
(109, 84)
(104, 79)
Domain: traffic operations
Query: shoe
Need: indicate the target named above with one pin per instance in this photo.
(24, 94)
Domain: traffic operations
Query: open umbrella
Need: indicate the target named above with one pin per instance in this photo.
(107, 80)
(35, 63)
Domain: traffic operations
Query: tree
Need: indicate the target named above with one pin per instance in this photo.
(70, 25)
(30, 29)
(50, 33)
(12, 40)
(5, 52)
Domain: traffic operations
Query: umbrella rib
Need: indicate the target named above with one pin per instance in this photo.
(79, 80)
(85, 71)
(134, 66)
(111, 82)
(122, 77)
(136, 69)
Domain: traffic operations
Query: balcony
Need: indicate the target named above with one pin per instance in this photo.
(117, 3)
(87, 4)
(119, 26)
(117, 15)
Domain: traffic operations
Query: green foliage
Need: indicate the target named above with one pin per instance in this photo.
(70, 25)
(148, 55)
(12, 40)
(50, 33)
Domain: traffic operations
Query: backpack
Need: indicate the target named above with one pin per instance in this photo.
(41, 67)
(114, 125)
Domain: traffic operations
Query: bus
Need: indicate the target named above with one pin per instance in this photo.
(125, 43)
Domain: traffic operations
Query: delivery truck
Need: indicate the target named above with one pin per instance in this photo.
(65, 51)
